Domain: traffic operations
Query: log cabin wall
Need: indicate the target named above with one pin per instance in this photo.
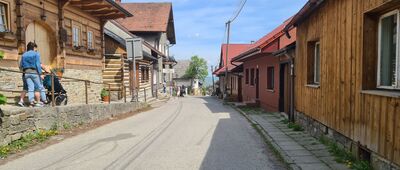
(347, 99)
(39, 20)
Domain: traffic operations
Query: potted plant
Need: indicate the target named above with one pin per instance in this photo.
(58, 71)
(105, 95)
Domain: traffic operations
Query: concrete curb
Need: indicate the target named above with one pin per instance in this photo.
(269, 140)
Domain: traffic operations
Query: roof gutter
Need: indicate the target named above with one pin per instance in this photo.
(304, 12)
(247, 54)
(119, 7)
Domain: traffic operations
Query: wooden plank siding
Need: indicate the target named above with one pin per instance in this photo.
(347, 59)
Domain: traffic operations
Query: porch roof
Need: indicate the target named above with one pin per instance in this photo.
(104, 9)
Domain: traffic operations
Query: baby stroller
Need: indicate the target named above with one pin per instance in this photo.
(60, 95)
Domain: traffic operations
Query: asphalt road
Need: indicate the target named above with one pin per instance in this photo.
(185, 133)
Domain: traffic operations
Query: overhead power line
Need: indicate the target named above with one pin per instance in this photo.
(239, 10)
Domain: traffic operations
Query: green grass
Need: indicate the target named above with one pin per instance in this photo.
(66, 126)
(26, 141)
(285, 121)
(252, 110)
(343, 156)
(296, 127)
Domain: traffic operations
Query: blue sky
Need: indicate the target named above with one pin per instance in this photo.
(200, 24)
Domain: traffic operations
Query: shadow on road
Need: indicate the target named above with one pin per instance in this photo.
(235, 144)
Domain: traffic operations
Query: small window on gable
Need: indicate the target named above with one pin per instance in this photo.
(247, 76)
(252, 81)
(4, 22)
(90, 42)
(388, 61)
(76, 36)
(314, 63)
(270, 78)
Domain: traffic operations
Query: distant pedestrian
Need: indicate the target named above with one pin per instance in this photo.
(178, 91)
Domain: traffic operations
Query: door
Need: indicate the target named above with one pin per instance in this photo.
(45, 41)
(257, 84)
(239, 83)
(284, 85)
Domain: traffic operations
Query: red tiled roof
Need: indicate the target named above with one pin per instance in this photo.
(148, 17)
(233, 50)
(266, 40)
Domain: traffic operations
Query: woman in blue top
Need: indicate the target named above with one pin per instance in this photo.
(31, 65)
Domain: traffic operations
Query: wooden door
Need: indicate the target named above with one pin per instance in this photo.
(43, 38)
(284, 88)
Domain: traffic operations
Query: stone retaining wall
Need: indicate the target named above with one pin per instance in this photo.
(17, 122)
(317, 129)
(75, 89)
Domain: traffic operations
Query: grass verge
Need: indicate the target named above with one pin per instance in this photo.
(26, 141)
(343, 156)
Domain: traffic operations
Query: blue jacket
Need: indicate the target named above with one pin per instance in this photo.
(31, 59)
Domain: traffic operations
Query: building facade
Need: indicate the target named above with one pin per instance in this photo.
(154, 22)
(69, 38)
(347, 75)
(266, 76)
(233, 78)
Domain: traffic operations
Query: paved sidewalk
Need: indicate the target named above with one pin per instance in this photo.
(299, 149)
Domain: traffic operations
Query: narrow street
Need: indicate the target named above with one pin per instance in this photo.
(185, 133)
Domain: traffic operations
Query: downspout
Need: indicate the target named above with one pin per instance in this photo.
(292, 76)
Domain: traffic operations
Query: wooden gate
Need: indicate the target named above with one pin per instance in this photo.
(45, 41)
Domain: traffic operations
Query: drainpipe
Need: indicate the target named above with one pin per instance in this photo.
(292, 76)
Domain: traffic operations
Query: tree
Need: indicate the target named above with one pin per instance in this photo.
(197, 69)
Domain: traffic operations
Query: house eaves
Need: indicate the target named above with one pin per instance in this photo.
(304, 12)
(250, 53)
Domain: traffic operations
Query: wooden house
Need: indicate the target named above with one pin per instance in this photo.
(154, 22)
(69, 37)
(348, 75)
(234, 76)
(267, 76)
(119, 70)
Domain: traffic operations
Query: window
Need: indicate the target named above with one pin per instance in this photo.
(247, 76)
(3, 17)
(270, 78)
(252, 77)
(388, 65)
(147, 74)
(143, 74)
(90, 40)
(314, 63)
(76, 36)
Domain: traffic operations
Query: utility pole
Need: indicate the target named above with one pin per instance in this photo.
(228, 25)
(212, 77)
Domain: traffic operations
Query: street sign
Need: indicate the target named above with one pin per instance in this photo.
(134, 48)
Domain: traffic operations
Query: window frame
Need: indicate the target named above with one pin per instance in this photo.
(79, 41)
(90, 44)
(7, 16)
(315, 76)
(397, 80)
(270, 86)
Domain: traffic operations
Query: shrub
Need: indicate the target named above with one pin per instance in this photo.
(3, 99)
